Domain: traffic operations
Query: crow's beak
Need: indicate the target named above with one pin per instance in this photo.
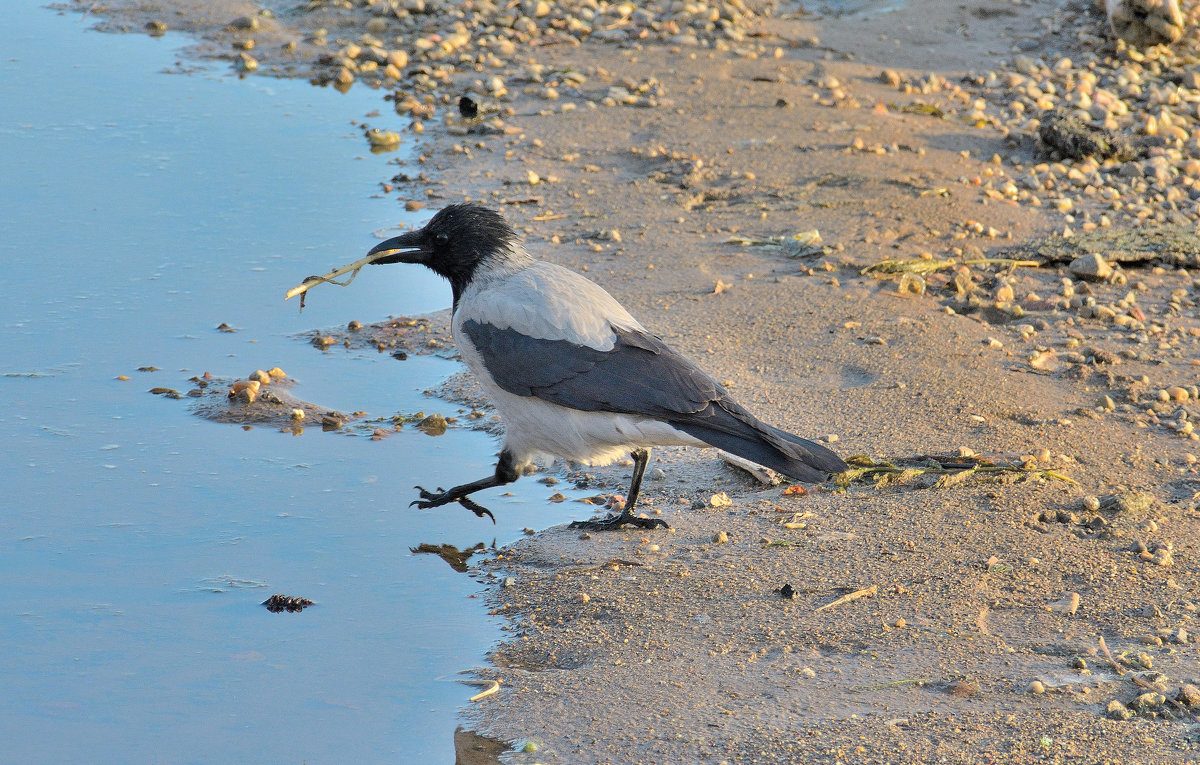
(406, 248)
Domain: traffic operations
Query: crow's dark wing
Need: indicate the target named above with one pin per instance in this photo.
(640, 375)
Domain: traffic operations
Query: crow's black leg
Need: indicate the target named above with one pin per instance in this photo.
(506, 472)
(641, 457)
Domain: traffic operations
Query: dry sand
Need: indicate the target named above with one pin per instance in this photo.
(671, 647)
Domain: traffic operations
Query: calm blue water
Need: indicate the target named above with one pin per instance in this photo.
(139, 210)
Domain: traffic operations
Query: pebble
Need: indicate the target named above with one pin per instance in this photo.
(1091, 267)
(1037, 687)
(1118, 711)
(242, 385)
(963, 689)
(245, 62)
(1149, 700)
(248, 23)
(1189, 695)
(720, 537)
(433, 425)
(1176, 393)
(383, 139)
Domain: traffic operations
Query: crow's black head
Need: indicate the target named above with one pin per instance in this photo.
(454, 243)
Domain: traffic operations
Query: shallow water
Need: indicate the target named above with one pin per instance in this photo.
(142, 209)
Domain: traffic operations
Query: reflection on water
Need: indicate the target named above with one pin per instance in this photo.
(452, 555)
(470, 748)
(145, 215)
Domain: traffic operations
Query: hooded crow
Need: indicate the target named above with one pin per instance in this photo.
(572, 373)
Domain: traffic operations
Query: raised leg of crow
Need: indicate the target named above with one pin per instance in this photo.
(506, 472)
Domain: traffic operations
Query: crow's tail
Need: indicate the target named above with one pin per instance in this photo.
(726, 425)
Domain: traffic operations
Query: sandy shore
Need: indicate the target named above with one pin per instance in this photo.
(998, 615)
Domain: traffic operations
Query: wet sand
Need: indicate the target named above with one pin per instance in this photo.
(1004, 613)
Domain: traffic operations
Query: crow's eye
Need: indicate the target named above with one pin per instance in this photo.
(441, 240)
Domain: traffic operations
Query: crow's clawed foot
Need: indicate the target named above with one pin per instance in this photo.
(430, 499)
(612, 523)
(477, 508)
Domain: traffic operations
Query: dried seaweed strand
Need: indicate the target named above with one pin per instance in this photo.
(865, 468)
(917, 681)
(1108, 655)
(332, 276)
(495, 686)
(868, 592)
(928, 266)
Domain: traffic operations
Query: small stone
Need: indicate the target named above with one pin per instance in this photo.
(584, 597)
(962, 689)
(382, 140)
(720, 537)
(1189, 695)
(397, 58)
(1091, 504)
(245, 63)
(1091, 267)
(1132, 502)
(720, 500)
(249, 23)
(1068, 605)
(510, 582)
(433, 425)
(1037, 687)
(1117, 711)
(1149, 700)
(1176, 393)
(242, 385)
(262, 377)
